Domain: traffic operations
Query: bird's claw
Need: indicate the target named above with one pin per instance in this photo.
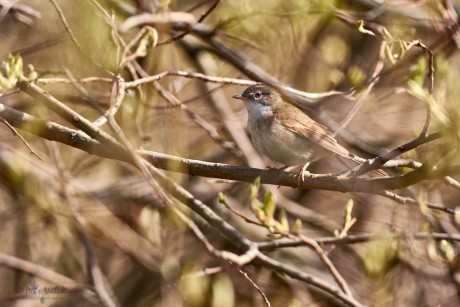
(301, 176)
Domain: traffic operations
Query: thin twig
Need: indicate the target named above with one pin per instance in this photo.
(243, 243)
(188, 74)
(120, 84)
(380, 161)
(204, 124)
(430, 75)
(70, 81)
(297, 274)
(85, 93)
(315, 246)
(125, 58)
(360, 238)
(408, 200)
(183, 34)
(195, 75)
(204, 272)
(72, 36)
(67, 113)
(241, 215)
(347, 227)
(239, 260)
(264, 297)
(16, 133)
(47, 274)
(325, 259)
(374, 79)
(415, 164)
(451, 182)
(105, 293)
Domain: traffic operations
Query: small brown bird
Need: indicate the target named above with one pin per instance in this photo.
(284, 133)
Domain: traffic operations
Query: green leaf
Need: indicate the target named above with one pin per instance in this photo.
(389, 54)
(361, 29)
(254, 188)
(431, 249)
(258, 211)
(283, 221)
(387, 35)
(148, 41)
(297, 226)
(222, 199)
(347, 212)
(13, 69)
(16, 65)
(447, 250)
(269, 204)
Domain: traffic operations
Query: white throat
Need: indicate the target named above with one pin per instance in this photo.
(256, 111)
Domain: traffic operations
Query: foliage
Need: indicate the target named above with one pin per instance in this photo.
(127, 176)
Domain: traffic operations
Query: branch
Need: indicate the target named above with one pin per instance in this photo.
(353, 239)
(103, 290)
(67, 113)
(77, 139)
(380, 161)
(244, 243)
(47, 274)
(297, 274)
(16, 133)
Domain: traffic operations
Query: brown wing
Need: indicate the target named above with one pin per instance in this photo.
(299, 123)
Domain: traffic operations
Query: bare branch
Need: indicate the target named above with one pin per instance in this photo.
(355, 239)
(79, 140)
(16, 133)
(45, 273)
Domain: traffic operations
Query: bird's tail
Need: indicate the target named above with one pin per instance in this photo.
(360, 160)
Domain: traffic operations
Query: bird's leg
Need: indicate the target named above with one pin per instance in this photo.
(302, 173)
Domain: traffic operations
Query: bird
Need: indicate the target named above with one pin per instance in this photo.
(285, 134)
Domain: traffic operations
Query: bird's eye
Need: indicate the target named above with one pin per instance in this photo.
(257, 95)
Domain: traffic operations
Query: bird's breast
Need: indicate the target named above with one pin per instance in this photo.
(272, 139)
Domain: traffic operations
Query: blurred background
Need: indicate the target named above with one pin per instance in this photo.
(149, 256)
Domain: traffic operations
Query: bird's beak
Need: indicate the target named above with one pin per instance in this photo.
(237, 96)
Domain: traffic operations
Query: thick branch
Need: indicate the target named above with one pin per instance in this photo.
(77, 139)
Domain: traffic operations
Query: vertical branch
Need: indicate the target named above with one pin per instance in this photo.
(375, 77)
(430, 75)
(103, 290)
